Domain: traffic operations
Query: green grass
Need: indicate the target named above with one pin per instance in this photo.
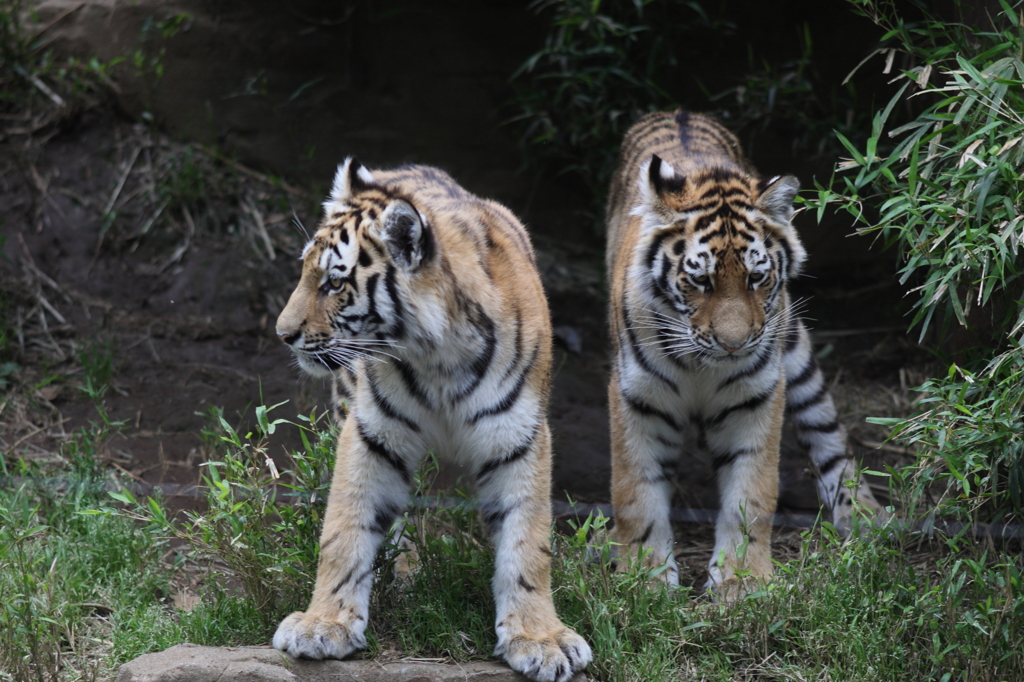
(84, 587)
(854, 610)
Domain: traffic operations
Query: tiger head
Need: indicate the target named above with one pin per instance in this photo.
(718, 250)
(348, 303)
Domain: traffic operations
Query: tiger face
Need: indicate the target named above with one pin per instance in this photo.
(721, 248)
(347, 304)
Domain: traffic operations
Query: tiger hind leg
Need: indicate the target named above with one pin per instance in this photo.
(844, 493)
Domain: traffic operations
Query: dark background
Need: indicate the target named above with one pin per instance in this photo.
(291, 88)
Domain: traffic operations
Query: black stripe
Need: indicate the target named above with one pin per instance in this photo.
(749, 404)
(805, 375)
(348, 576)
(727, 458)
(517, 345)
(372, 316)
(762, 361)
(788, 254)
(647, 410)
(385, 406)
(513, 456)
(647, 534)
(329, 541)
(817, 397)
(683, 121)
(525, 585)
(652, 250)
(510, 398)
(669, 467)
(720, 231)
(830, 463)
(638, 352)
(378, 448)
(513, 227)
(398, 324)
(829, 427)
(483, 361)
(412, 384)
(661, 281)
(384, 518)
(494, 515)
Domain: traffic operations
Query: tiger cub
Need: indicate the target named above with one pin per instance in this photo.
(425, 303)
(705, 342)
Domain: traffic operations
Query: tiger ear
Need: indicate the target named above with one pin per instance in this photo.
(406, 234)
(775, 197)
(351, 177)
(660, 187)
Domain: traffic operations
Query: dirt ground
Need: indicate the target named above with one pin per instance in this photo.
(178, 260)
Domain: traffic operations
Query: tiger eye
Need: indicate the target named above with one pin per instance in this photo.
(335, 280)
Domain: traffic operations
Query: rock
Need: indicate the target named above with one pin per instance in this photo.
(193, 663)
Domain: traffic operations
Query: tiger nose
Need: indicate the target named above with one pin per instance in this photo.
(288, 337)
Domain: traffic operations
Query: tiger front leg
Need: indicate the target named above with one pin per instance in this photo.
(745, 450)
(368, 491)
(645, 455)
(515, 491)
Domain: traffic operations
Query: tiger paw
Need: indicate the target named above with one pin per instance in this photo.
(304, 635)
(554, 658)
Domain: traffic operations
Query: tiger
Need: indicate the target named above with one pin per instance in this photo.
(423, 303)
(706, 342)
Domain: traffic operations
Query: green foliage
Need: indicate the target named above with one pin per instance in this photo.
(148, 60)
(606, 62)
(793, 98)
(443, 606)
(97, 360)
(946, 190)
(598, 70)
(265, 530)
(185, 182)
(969, 438)
(34, 78)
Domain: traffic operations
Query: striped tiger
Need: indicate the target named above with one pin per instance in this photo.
(706, 341)
(424, 303)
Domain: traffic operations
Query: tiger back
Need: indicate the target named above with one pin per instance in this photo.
(700, 251)
(423, 303)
